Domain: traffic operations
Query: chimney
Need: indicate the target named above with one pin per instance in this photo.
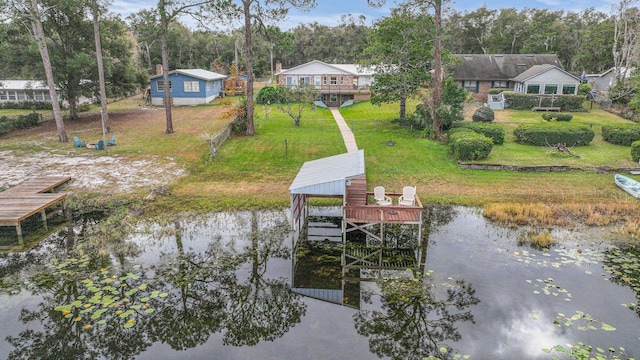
(278, 67)
(158, 69)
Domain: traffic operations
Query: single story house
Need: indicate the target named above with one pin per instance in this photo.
(602, 82)
(23, 90)
(187, 86)
(336, 84)
(546, 79)
(478, 73)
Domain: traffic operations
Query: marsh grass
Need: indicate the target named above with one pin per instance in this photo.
(542, 240)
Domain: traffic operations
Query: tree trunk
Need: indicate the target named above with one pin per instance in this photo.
(38, 33)
(164, 22)
(103, 90)
(248, 65)
(437, 69)
(403, 107)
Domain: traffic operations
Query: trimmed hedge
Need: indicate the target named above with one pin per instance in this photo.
(26, 105)
(494, 91)
(528, 101)
(8, 124)
(483, 114)
(546, 134)
(621, 134)
(492, 131)
(635, 151)
(549, 116)
(470, 145)
(456, 129)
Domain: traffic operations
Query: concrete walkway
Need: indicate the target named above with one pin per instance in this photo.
(347, 135)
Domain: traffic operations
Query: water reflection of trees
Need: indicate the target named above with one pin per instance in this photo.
(623, 265)
(416, 319)
(220, 290)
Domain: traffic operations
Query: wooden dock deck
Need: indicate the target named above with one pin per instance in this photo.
(29, 198)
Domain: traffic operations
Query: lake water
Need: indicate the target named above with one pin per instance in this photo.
(229, 286)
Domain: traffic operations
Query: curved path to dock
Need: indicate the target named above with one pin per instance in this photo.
(347, 134)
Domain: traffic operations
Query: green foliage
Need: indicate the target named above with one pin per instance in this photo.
(635, 151)
(494, 91)
(271, 95)
(239, 124)
(452, 106)
(470, 146)
(493, 131)
(622, 92)
(621, 134)
(549, 116)
(546, 134)
(26, 105)
(8, 124)
(483, 114)
(584, 89)
(528, 101)
(458, 129)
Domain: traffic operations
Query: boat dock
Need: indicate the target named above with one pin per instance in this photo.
(29, 198)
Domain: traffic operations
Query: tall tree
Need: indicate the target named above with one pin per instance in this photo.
(626, 39)
(32, 10)
(261, 12)
(401, 52)
(104, 115)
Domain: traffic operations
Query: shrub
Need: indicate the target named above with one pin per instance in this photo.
(494, 91)
(470, 145)
(493, 131)
(548, 116)
(546, 134)
(271, 95)
(635, 151)
(8, 124)
(26, 105)
(528, 101)
(621, 134)
(457, 130)
(483, 114)
(584, 89)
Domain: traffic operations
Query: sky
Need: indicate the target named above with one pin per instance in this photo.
(329, 12)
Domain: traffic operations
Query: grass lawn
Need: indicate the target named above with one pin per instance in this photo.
(256, 171)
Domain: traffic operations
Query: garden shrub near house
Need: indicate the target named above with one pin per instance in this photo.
(529, 101)
(483, 114)
(26, 105)
(621, 134)
(552, 133)
(457, 130)
(470, 145)
(271, 95)
(635, 151)
(493, 131)
(494, 91)
(548, 116)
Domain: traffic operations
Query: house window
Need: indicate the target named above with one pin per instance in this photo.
(470, 86)
(12, 95)
(569, 89)
(316, 80)
(292, 80)
(324, 80)
(191, 86)
(333, 97)
(305, 80)
(551, 88)
(334, 80)
(38, 96)
(533, 89)
(3, 95)
(341, 80)
(502, 84)
(21, 96)
(160, 85)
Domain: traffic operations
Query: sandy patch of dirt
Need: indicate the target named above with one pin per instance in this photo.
(89, 173)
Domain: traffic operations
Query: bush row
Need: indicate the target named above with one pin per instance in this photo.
(549, 116)
(621, 134)
(8, 124)
(467, 145)
(635, 151)
(528, 101)
(492, 131)
(546, 134)
(26, 105)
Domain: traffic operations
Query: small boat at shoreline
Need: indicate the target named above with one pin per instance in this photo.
(631, 186)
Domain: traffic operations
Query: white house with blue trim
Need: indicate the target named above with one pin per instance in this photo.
(188, 87)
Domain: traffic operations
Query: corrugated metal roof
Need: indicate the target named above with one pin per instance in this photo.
(327, 176)
(22, 84)
(196, 73)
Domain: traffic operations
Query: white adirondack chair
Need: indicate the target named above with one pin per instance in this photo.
(380, 197)
(408, 197)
